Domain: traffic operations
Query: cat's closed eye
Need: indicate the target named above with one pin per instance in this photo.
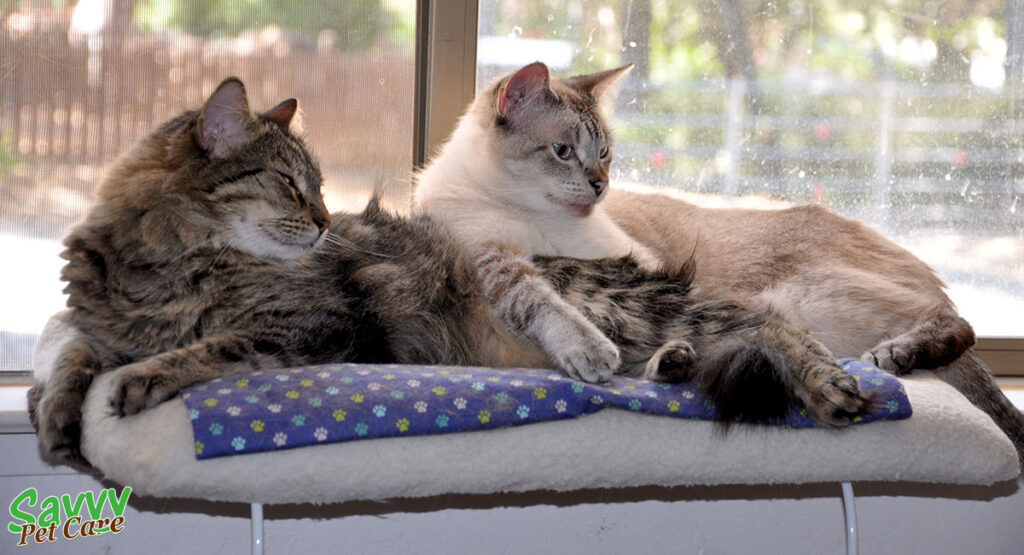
(293, 188)
(564, 152)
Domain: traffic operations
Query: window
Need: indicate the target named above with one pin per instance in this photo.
(909, 116)
(82, 82)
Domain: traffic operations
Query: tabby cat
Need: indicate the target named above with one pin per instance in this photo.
(526, 170)
(210, 252)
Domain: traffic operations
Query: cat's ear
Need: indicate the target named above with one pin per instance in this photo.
(224, 120)
(286, 116)
(596, 85)
(524, 88)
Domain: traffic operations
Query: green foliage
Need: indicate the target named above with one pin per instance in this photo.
(8, 155)
(357, 24)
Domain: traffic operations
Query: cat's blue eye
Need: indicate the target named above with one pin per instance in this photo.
(564, 152)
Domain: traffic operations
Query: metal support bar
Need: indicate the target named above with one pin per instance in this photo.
(256, 519)
(850, 510)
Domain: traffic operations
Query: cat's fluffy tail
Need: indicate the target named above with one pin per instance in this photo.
(745, 378)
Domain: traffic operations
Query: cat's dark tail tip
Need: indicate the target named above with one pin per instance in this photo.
(746, 380)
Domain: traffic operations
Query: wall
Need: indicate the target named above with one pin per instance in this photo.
(894, 518)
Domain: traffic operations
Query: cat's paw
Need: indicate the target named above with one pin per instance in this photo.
(895, 357)
(835, 397)
(57, 417)
(671, 363)
(591, 357)
(141, 386)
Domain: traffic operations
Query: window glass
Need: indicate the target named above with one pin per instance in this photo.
(908, 115)
(82, 82)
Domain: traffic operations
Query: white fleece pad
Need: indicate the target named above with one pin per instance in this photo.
(947, 440)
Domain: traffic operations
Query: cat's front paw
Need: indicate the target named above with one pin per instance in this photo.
(57, 417)
(671, 363)
(591, 357)
(141, 386)
(835, 397)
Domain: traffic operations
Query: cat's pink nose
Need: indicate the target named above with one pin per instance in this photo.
(599, 187)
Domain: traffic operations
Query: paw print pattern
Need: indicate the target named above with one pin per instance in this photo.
(439, 390)
(540, 393)
(402, 425)
(193, 414)
(397, 394)
(332, 390)
(282, 377)
(257, 425)
(380, 411)
(442, 420)
(234, 411)
(339, 415)
(477, 386)
(292, 395)
(223, 391)
(275, 408)
(299, 420)
(373, 386)
(577, 387)
(356, 398)
(242, 382)
(238, 443)
(413, 383)
(523, 412)
(199, 448)
(484, 416)
(673, 406)
(216, 428)
(362, 429)
(420, 406)
(560, 405)
(280, 439)
(634, 404)
(459, 403)
(320, 433)
(306, 383)
(265, 388)
(316, 402)
(252, 399)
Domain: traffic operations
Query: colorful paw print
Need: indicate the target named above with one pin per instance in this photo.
(523, 412)
(484, 416)
(211, 402)
(252, 399)
(420, 406)
(634, 404)
(199, 448)
(242, 382)
(561, 405)
(257, 425)
(402, 425)
(442, 420)
(193, 414)
(651, 394)
(516, 383)
(292, 395)
(316, 402)
(380, 411)
(597, 400)
(320, 433)
(439, 390)
(373, 386)
(299, 420)
(306, 383)
(389, 376)
(397, 394)
(332, 390)
(493, 379)
(362, 429)
(234, 411)
(502, 397)
(216, 428)
(223, 391)
(577, 387)
(275, 408)
(540, 393)
(357, 398)
(265, 388)
(324, 374)
(347, 380)
(673, 406)
(459, 403)
(339, 415)
(413, 383)
(280, 439)
(891, 405)
(477, 386)
(238, 443)
(282, 377)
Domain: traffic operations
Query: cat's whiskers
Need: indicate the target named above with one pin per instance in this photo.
(343, 242)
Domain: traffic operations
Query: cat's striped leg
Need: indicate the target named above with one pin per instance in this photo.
(530, 308)
(151, 381)
(55, 407)
(830, 394)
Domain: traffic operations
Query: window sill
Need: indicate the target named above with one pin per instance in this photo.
(14, 410)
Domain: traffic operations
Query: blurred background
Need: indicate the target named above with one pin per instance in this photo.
(908, 114)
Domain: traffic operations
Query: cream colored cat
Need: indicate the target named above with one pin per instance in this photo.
(527, 167)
